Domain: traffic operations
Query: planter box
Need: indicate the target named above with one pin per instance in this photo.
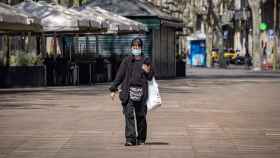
(24, 76)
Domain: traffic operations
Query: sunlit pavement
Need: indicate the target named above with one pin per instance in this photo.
(200, 118)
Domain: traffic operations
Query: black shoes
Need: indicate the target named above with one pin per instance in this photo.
(134, 144)
(140, 143)
(129, 144)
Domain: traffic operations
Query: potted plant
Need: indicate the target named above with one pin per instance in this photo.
(26, 69)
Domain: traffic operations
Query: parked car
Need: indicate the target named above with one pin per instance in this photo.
(229, 55)
(215, 56)
(239, 60)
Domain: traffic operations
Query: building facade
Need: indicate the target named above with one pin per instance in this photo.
(230, 24)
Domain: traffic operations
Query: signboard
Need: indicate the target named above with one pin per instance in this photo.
(197, 53)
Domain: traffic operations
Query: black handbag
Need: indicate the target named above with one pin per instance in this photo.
(135, 93)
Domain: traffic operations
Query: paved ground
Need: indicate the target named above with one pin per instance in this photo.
(231, 72)
(200, 118)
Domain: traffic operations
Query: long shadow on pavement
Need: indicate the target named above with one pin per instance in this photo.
(156, 143)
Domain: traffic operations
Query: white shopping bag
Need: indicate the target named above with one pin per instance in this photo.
(154, 99)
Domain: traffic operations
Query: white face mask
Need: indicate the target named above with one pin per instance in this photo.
(136, 52)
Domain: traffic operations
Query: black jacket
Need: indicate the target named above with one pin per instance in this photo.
(130, 73)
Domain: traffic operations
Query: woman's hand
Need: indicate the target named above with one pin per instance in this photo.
(113, 94)
(146, 68)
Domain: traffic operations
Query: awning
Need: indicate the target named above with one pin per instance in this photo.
(13, 19)
(115, 22)
(56, 18)
(135, 9)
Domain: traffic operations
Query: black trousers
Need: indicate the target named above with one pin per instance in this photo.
(135, 122)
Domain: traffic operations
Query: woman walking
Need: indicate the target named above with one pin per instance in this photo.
(133, 75)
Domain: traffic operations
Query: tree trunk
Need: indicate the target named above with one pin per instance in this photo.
(255, 7)
(256, 40)
(209, 43)
(275, 46)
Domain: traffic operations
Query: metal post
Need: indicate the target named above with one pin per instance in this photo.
(87, 42)
(43, 44)
(97, 45)
(76, 44)
(90, 83)
(29, 42)
(8, 52)
(70, 53)
(38, 44)
(6, 70)
(55, 44)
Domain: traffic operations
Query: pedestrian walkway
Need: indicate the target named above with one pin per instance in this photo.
(213, 118)
(233, 72)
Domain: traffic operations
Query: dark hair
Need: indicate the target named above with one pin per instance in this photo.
(137, 41)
